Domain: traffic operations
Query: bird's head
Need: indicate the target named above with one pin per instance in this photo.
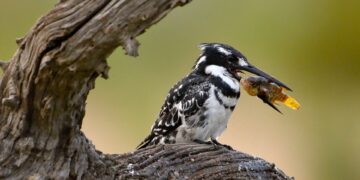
(232, 60)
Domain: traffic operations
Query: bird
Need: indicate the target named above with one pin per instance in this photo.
(198, 107)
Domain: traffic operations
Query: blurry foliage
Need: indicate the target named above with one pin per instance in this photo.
(313, 46)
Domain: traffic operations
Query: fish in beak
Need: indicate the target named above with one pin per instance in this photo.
(269, 92)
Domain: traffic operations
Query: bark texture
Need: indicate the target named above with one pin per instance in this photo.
(45, 85)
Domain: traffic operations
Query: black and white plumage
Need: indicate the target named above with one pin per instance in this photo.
(198, 107)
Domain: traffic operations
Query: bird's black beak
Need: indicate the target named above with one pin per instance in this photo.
(252, 69)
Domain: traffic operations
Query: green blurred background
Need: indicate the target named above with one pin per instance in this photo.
(312, 46)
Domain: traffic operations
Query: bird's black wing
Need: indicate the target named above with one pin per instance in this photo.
(183, 100)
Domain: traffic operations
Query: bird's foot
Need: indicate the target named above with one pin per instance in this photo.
(203, 142)
(215, 142)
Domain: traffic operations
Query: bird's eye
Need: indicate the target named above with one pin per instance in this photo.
(233, 59)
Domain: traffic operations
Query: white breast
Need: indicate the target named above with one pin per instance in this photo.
(217, 117)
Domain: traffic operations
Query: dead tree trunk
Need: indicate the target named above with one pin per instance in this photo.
(45, 86)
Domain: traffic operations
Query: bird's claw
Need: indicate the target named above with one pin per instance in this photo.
(217, 143)
(203, 142)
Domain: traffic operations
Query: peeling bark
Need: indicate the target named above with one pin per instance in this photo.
(44, 88)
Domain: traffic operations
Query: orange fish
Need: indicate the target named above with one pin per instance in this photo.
(269, 92)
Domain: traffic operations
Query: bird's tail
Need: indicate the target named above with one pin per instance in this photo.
(146, 142)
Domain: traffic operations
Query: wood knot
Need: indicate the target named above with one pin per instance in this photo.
(4, 65)
(19, 42)
(13, 100)
(103, 69)
(131, 46)
(183, 2)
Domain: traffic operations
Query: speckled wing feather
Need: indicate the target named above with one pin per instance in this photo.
(184, 100)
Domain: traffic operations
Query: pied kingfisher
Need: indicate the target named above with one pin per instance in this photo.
(198, 107)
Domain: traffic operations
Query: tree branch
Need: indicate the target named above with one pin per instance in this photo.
(44, 89)
(194, 161)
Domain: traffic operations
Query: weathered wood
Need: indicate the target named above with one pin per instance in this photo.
(45, 86)
(193, 161)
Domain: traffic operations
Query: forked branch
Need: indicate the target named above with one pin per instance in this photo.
(44, 89)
